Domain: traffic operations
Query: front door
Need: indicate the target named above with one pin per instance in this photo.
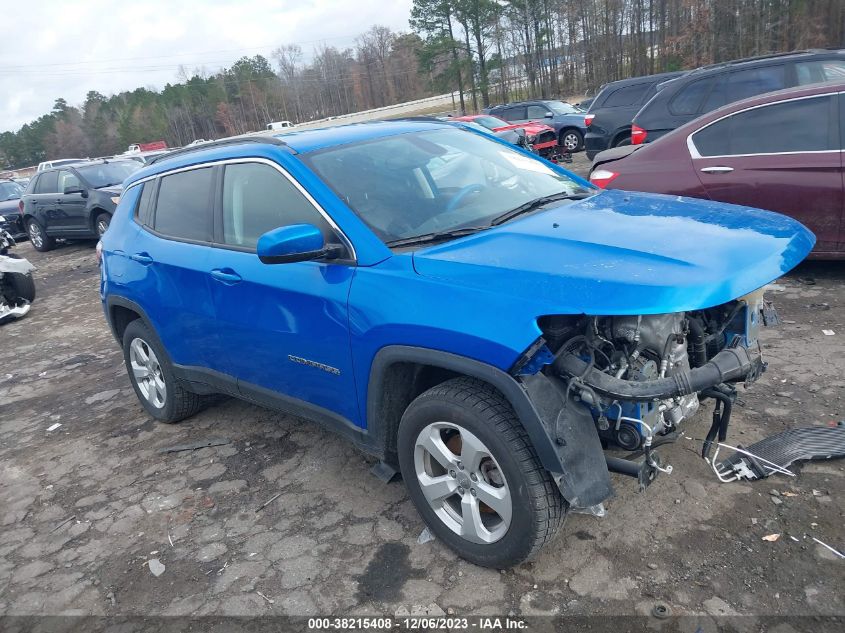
(70, 207)
(781, 157)
(284, 327)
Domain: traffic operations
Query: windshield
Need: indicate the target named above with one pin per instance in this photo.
(490, 122)
(108, 174)
(410, 185)
(559, 107)
(10, 191)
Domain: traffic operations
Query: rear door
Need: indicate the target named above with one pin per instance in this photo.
(782, 156)
(45, 201)
(167, 265)
(514, 114)
(70, 207)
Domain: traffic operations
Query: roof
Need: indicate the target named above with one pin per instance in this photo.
(764, 58)
(268, 145)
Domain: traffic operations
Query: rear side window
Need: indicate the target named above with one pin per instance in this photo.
(145, 207)
(689, 98)
(183, 208)
(804, 125)
(626, 96)
(819, 71)
(512, 114)
(537, 112)
(257, 199)
(755, 81)
(48, 183)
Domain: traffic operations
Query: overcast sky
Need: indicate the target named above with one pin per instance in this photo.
(62, 48)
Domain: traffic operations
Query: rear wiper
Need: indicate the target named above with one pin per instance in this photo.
(428, 238)
(536, 204)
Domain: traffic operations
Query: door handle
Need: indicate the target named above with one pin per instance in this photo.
(717, 170)
(141, 258)
(226, 275)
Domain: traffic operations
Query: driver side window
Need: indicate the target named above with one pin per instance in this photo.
(68, 180)
(257, 199)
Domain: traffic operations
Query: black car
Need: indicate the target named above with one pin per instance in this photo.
(688, 97)
(609, 116)
(73, 202)
(566, 119)
(10, 216)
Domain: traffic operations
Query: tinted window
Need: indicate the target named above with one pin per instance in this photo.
(560, 107)
(626, 96)
(109, 174)
(257, 199)
(821, 70)
(537, 112)
(48, 183)
(511, 114)
(68, 180)
(718, 95)
(689, 98)
(490, 122)
(145, 208)
(795, 126)
(755, 81)
(183, 209)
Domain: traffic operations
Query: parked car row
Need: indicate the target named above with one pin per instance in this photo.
(565, 119)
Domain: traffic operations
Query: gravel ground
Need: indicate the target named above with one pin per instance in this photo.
(88, 506)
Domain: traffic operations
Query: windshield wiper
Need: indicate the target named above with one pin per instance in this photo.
(428, 238)
(536, 204)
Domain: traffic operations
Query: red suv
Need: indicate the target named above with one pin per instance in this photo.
(782, 151)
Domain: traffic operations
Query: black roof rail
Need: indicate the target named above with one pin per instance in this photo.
(755, 58)
(224, 142)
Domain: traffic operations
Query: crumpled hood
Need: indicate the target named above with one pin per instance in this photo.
(625, 253)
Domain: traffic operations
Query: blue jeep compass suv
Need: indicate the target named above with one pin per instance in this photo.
(478, 318)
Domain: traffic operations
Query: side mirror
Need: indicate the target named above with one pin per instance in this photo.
(75, 189)
(294, 243)
(549, 115)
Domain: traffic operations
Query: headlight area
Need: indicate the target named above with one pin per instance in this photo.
(639, 377)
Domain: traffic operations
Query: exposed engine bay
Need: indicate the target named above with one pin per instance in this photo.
(640, 377)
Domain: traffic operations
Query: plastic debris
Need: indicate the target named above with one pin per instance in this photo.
(215, 441)
(425, 536)
(156, 567)
(771, 538)
(53, 427)
(828, 332)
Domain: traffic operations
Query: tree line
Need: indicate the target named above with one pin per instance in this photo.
(487, 51)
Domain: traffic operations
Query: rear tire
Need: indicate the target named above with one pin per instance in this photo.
(495, 461)
(38, 237)
(571, 140)
(151, 374)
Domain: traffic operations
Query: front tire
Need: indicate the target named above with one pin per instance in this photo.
(474, 476)
(571, 140)
(101, 223)
(23, 285)
(151, 374)
(38, 237)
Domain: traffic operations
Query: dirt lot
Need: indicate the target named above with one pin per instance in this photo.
(85, 506)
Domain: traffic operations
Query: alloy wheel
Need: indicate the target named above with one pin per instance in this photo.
(570, 142)
(147, 373)
(462, 482)
(35, 235)
(102, 225)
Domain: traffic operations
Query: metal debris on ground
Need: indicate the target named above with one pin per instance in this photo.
(425, 536)
(65, 522)
(193, 446)
(53, 427)
(156, 567)
(774, 453)
(828, 332)
(837, 552)
(268, 502)
(270, 600)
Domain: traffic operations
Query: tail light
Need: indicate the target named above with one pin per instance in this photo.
(588, 119)
(602, 177)
(637, 135)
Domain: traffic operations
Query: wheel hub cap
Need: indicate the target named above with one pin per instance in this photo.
(147, 373)
(462, 482)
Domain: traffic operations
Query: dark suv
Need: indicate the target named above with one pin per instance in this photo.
(704, 89)
(565, 118)
(609, 116)
(73, 202)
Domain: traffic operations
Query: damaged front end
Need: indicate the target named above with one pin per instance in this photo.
(627, 383)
